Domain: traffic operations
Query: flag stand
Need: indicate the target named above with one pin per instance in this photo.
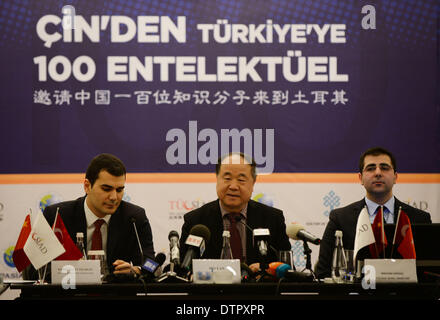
(41, 272)
(395, 232)
(42, 275)
(383, 230)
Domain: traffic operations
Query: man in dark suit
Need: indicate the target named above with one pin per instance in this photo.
(105, 220)
(236, 176)
(377, 173)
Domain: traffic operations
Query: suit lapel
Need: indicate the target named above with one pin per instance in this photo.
(407, 209)
(253, 222)
(214, 223)
(114, 234)
(397, 204)
(357, 208)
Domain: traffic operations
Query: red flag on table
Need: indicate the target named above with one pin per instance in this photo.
(72, 251)
(403, 237)
(376, 249)
(19, 257)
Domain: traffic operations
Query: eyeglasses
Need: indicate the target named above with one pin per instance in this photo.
(383, 167)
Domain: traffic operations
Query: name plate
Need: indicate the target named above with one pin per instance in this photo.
(216, 271)
(392, 270)
(71, 273)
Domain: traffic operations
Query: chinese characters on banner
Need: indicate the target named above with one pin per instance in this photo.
(197, 97)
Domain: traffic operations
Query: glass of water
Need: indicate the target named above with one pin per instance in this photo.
(351, 266)
(286, 256)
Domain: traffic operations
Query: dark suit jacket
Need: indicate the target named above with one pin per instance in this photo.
(258, 216)
(121, 239)
(345, 219)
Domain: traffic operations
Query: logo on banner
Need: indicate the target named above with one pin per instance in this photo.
(7, 257)
(331, 201)
(48, 200)
(298, 254)
(264, 199)
(181, 206)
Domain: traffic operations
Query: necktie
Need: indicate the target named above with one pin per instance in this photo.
(97, 236)
(379, 211)
(235, 237)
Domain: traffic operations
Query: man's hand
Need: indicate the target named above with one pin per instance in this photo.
(123, 267)
(255, 267)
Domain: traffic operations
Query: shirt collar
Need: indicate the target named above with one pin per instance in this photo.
(372, 206)
(91, 217)
(224, 212)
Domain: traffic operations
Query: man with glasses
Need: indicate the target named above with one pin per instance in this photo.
(378, 175)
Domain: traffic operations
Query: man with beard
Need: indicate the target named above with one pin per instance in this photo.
(378, 175)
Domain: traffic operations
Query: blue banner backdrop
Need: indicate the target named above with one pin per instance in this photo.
(165, 84)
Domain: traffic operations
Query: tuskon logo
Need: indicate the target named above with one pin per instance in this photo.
(178, 207)
(331, 200)
(7, 257)
(264, 199)
(48, 200)
(185, 205)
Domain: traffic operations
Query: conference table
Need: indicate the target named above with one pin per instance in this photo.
(238, 292)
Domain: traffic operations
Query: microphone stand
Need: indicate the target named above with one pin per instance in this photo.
(307, 253)
(263, 273)
(171, 276)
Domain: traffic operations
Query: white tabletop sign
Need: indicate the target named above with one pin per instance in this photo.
(216, 271)
(71, 273)
(393, 270)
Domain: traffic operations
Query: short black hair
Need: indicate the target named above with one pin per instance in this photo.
(247, 158)
(105, 162)
(376, 151)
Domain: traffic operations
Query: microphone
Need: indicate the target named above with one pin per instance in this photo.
(133, 221)
(278, 269)
(296, 231)
(199, 236)
(152, 268)
(239, 218)
(160, 259)
(260, 237)
(173, 236)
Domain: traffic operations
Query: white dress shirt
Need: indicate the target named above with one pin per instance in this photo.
(372, 207)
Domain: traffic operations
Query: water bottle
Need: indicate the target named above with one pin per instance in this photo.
(80, 244)
(226, 250)
(339, 263)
